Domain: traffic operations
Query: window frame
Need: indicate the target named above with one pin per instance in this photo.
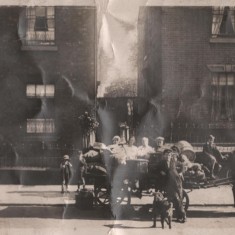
(36, 94)
(222, 98)
(217, 37)
(36, 129)
(220, 69)
(37, 44)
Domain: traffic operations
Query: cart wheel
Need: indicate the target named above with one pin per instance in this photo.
(122, 197)
(185, 200)
(102, 195)
(229, 173)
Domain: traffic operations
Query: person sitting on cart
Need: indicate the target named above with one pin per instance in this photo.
(131, 152)
(185, 165)
(116, 143)
(212, 156)
(117, 150)
(130, 149)
(144, 151)
(82, 169)
(159, 148)
(66, 173)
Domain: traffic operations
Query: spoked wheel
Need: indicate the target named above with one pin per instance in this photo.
(102, 195)
(122, 196)
(120, 201)
(229, 173)
(185, 200)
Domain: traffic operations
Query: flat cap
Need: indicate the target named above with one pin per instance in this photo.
(211, 137)
(66, 157)
(167, 150)
(116, 137)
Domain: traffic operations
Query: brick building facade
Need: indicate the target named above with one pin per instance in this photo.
(47, 77)
(186, 70)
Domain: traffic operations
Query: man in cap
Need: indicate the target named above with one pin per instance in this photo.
(116, 141)
(163, 167)
(117, 150)
(66, 172)
(159, 144)
(212, 156)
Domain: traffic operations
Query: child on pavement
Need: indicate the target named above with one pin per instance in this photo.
(66, 173)
(82, 168)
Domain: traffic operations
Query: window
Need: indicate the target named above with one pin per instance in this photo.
(40, 26)
(40, 126)
(223, 24)
(40, 91)
(41, 19)
(222, 96)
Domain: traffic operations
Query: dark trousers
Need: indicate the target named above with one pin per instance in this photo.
(233, 189)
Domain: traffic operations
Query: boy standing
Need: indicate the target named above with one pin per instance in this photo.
(82, 168)
(66, 172)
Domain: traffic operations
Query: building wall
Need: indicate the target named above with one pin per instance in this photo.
(151, 121)
(149, 56)
(185, 53)
(71, 68)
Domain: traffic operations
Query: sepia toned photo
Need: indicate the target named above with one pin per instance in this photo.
(117, 117)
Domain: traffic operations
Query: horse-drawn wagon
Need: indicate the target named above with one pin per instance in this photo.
(116, 183)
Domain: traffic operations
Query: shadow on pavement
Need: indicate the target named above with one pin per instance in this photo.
(45, 194)
(210, 214)
(121, 226)
(53, 212)
(123, 212)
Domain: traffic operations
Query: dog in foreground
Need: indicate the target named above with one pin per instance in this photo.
(162, 207)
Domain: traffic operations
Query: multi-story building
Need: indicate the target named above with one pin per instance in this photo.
(186, 71)
(48, 76)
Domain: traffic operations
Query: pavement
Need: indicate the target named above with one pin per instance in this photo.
(50, 195)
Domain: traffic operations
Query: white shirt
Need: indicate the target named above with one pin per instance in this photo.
(131, 152)
(145, 151)
(118, 152)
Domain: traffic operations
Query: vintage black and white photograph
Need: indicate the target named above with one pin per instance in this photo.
(117, 117)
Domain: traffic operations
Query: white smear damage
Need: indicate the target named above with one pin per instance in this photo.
(117, 42)
(70, 85)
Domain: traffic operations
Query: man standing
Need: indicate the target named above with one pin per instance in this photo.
(82, 168)
(233, 176)
(212, 156)
(170, 181)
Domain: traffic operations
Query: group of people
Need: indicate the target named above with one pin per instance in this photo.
(129, 151)
(171, 169)
(210, 161)
(173, 164)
